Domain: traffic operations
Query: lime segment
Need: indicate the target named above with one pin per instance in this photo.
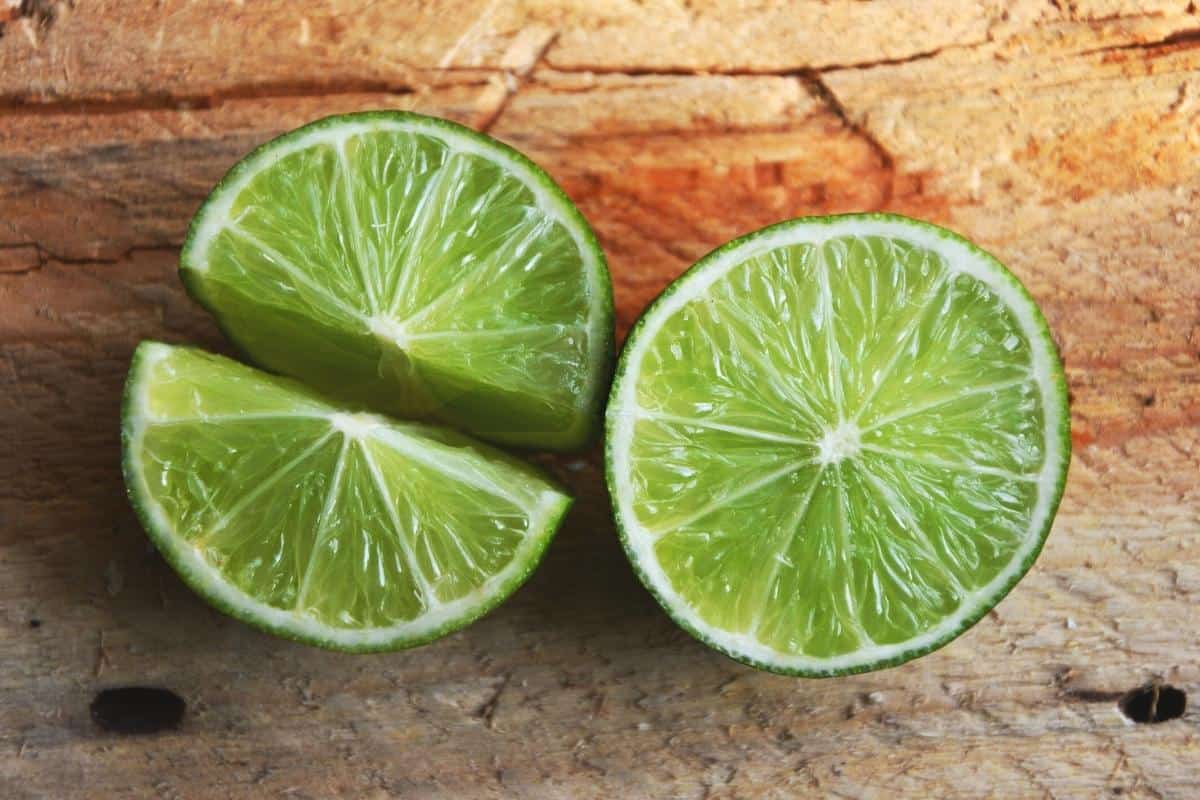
(342, 529)
(836, 443)
(413, 266)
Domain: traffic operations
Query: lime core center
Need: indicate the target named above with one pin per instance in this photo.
(388, 330)
(354, 425)
(842, 442)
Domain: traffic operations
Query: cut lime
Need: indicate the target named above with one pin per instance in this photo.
(341, 529)
(836, 443)
(416, 267)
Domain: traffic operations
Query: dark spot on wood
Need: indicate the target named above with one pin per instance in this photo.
(35, 623)
(1148, 400)
(1091, 695)
(1153, 703)
(137, 709)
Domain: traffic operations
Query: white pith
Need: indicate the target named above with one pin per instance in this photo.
(541, 510)
(215, 216)
(838, 442)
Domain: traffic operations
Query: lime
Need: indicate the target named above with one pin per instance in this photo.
(416, 267)
(836, 443)
(342, 529)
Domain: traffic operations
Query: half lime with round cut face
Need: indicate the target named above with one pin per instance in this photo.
(836, 443)
(338, 528)
(413, 266)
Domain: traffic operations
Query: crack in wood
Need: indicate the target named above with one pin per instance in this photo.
(487, 711)
(813, 81)
(44, 13)
(17, 265)
(1091, 695)
(635, 71)
(514, 82)
(750, 72)
(45, 255)
(1180, 40)
(19, 105)
(867, 64)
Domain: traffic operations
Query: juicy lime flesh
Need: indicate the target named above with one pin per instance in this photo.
(834, 445)
(396, 270)
(351, 521)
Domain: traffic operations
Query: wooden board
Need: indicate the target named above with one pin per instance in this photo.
(1064, 136)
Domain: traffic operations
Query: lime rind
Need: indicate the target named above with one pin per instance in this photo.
(210, 583)
(962, 257)
(550, 198)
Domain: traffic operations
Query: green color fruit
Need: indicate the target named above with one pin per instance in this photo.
(836, 443)
(342, 529)
(412, 266)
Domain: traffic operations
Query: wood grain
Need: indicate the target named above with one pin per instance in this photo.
(1063, 136)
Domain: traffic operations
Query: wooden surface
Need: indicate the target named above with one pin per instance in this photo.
(1064, 136)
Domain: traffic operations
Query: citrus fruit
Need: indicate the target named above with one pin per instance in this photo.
(338, 528)
(416, 267)
(836, 443)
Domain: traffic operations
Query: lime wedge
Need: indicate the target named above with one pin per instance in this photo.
(415, 267)
(836, 443)
(342, 529)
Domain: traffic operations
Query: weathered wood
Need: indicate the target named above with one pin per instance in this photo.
(1065, 137)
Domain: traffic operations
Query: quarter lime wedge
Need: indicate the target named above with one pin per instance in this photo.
(342, 529)
(836, 443)
(415, 267)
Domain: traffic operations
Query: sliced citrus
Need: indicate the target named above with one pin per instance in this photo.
(342, 529)
(836, 443)
(416, 267)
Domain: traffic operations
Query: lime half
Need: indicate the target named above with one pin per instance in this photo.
(836, 443)
(344, 530)
(412, 266)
